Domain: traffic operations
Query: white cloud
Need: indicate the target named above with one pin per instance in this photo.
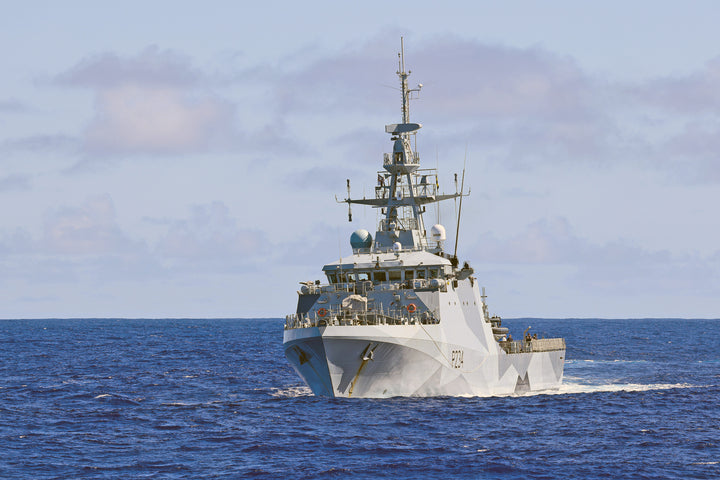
(158, 103)
(544, 241)
(88, 236)
(692, 154)
(321, 179)
(85, 246)
(17, 241)
(14, 182)
(151, 67)
(462, 80)
(85, 230)
(211, 239)
(693, 93)
(618, 267)
(154, 102)
(41, 143)
(13, 106)
(519, 106)
(294, 130)
(160, 120)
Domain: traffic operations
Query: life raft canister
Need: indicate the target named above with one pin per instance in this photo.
(322, 312)
(411, 308)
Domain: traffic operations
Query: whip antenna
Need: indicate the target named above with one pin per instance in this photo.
(462, 186)
(349, 205)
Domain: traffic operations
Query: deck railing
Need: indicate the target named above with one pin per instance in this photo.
(534, 345)
(389, 159)
(338, 317)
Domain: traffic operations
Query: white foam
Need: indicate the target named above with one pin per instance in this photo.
(570, 362)
(567, 388)
(571, 388)
(291, 392)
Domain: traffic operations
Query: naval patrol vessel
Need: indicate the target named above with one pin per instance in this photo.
(401, 316)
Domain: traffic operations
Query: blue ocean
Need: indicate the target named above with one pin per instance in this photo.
(127, 399)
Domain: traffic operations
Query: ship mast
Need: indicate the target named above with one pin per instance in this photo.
(404, 189)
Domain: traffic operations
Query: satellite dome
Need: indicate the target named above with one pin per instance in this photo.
(360, 239)
(437, 232)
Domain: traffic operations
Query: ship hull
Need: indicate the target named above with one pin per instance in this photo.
(413, 360)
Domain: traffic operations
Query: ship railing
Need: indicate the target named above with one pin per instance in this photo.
(361, 287)
(391, 249)
(533, 345)
(344, 317)
(389, 159)
(347, 287)
(387, 249)
(422, 187)
(545, 344)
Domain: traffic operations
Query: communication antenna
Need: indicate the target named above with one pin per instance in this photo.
(349, 205)
(339, 247)
(462, 186)
(437, 183)
(407, 92)
(455, 200)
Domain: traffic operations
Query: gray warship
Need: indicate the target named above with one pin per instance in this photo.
(401, 316)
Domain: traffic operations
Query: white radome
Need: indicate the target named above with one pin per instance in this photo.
(437, 233)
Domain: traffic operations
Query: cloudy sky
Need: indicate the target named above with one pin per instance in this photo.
(173, 159)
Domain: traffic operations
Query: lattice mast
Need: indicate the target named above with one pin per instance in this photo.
(404, 189)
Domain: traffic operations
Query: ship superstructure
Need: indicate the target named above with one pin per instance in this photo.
(400, 316)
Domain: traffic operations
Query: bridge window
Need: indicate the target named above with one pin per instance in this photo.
(395, 275)
(379, 277)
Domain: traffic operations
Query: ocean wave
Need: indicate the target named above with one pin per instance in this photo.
(125, 409)
(291, 392)
(116, 399)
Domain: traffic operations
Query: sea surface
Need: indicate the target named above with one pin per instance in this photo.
(126, 399)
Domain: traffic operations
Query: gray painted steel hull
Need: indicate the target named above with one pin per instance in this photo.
(413, 360)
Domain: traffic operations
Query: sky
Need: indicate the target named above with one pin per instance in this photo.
(175, 159)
